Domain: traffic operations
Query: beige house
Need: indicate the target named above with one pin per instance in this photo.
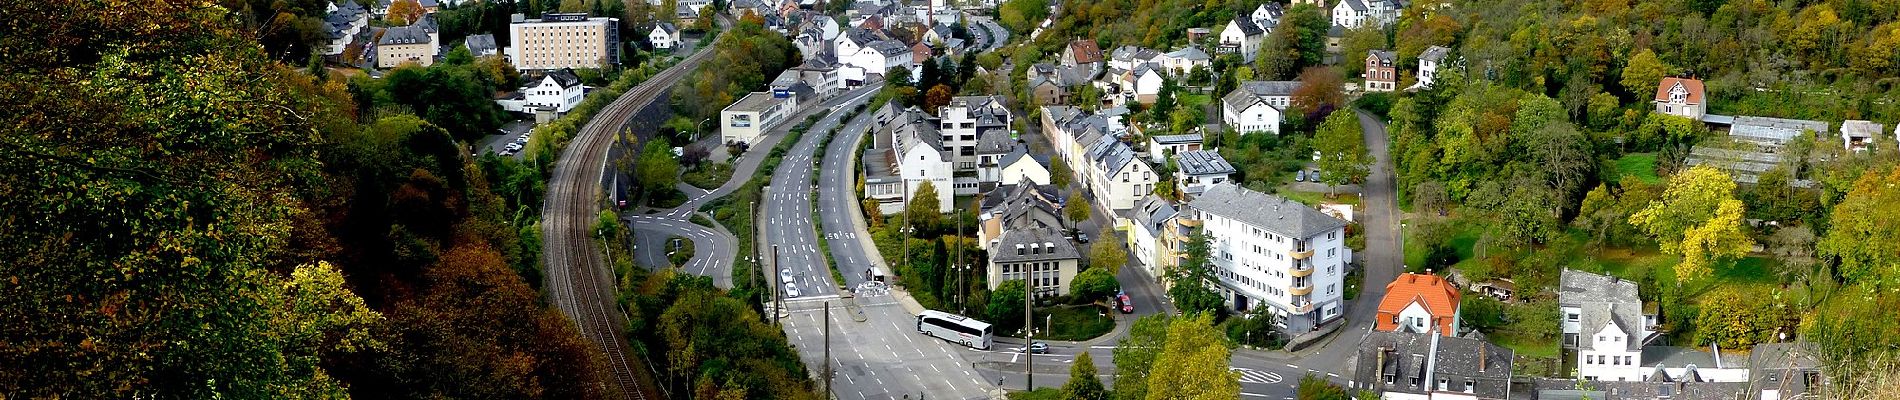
(408, 44)
(560, 40)
(1041, 256)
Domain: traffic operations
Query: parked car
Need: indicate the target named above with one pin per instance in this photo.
(1039, 348)
(1313, 175)
(1299, 176)
(791, 290)
(1082, 237)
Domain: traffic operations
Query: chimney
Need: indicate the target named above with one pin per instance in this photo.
(1431, 359)
(1482, 349)
(1380, 375)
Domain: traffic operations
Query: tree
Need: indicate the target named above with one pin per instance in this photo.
(1193, 364)
(1343, 157)
(1431, 196)
(1643, 73)
(1276, 60)
(1699, 218)
(1256, 329)
(1192, 289)
(576, 6)
(1736, 320)
(1107, 251)
(656, 171)
(1357, 43)
(403, 12)
(1794, 245)
(1020, 16)
(1076, 208)
(1480, 312)
(1135, 355)
(1864, 233)
(1317, 388)
(1059, 173)
(1006, 303)
(1082, 384)
(1319, 92)
(922, 209)
(937, 97)
(1094, 283)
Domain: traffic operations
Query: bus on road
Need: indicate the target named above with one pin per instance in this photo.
(955, 328)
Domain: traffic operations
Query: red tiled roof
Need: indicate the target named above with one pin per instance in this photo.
(1693, 85)
(1085, 51)
(1438, 297)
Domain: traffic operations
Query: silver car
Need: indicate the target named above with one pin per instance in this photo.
(791, 290)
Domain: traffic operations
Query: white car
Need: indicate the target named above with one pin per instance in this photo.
(791, 290)
(785, 275)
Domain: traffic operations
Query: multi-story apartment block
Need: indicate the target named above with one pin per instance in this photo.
(964, 120)
(560, 40)
(1041, 256)
(406, 44)
(1268, 251)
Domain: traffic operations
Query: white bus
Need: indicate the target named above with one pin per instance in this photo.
(955, 328)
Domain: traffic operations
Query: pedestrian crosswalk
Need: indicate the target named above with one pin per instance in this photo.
(1248, 375)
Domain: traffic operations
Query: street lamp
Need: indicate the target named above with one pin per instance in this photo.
(700, 127)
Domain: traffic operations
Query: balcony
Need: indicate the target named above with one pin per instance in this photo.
(1302, 308)
(1300, 270)
(1302, 255)
(1188, 222)
(1301, 290)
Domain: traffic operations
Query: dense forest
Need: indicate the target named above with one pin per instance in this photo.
(191, 218)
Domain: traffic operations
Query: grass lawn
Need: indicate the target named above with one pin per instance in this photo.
(1534, 357)
(1047, 393)
(1462, 242)
(1315, 198)
(1076, 322)
(709, 175)
(1640, 165)
(1195, 100)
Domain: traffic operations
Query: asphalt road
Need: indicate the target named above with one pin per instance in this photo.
(838, 197)
(786, 213)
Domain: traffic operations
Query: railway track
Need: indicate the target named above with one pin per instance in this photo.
(580, 279)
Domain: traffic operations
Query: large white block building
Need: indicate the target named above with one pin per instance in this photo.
(1268, 251)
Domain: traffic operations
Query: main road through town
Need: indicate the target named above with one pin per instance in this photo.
(579, 280)
(785, 217)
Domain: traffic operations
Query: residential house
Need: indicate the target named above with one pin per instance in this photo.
(1785, 371)
(1082, 53)
(1162, 147)
(740, 8)
(876, 57)
(1419, 303)
(558, 91)
(1141, 84)
(1020, 166)
(1257, 106)
(1055, 84)
(1604, 320)
(1428, 63)
(1152, 216)
(1070, 130)
(1267, 15)
(745, 120)
(1199, 34)
(1040, 256)
(344, 22)
(1351, 14)
(908, 150)
(1857, 134)
(686, 15)
(964, 120)
(1200, 169)
(411, 44)
(664, 36)
(1242, 36)
(991, 146)
(1682, 97)
(1184, 61)
(821, 75)
(1268, 251)
(1413, 365)
(1381, 70)
(1021, 205)
(482, 45)
(564, 40)
(1127, 57)
(1116, 176)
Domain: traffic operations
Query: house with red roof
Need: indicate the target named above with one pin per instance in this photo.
(1419, 303)
(1682, 97)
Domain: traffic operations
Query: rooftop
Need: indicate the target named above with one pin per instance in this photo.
(1773, 130)
(413, 34)
(1861, 128)
(1272, 213)
(1438, 297)
(1407, 356)
(754, 102)
(1032, 244)
(1202, 162)
(1190, 138)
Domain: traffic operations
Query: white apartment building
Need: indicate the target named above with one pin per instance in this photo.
(1116, 175)
(1257, 106)
(1268, 251)
(964, 120)
(746, 119)
(559, 40)
(1243, 37)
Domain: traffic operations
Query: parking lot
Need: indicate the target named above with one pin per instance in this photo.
(509, 141)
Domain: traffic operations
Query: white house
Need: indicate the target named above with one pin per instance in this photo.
(1351, 13)
(1141, 85)
(1161, 147)
(1603, 320)
(1243, 37)
(1200, 169)
(1267, 15)
(559, 91)
(1185, 60)
(1682, 97)
(1257, 106)
(917, 156)
(664, 36)
(344, 22)
(1127, 57)
(877, 57)
(746, 119)
(1116, 176)
(1428, 64)
(1268, 251)
(1019, 166)
(1857, 134)
(1151, 217)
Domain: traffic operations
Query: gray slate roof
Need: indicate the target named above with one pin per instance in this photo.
(1110, 155)
(1565, 389)
(889, 47)
(1190, 53)
(413, 34)
(1435, 53)
(1408, 355)
(1603, 300)
(1247, 27)
(1051, 245)
(1249, 92)
(1202, 162)
(1272, 213)
(1153, 212)
(565, 77)
(1176, 139)
(1356, 5)
(995, 142)
(479, 44)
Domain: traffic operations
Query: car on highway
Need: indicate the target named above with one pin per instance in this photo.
(791, 290)
(785, 275)
(1038, 348)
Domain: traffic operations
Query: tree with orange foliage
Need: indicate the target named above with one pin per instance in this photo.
(403, 12)
(1319, 92)
(937, 97)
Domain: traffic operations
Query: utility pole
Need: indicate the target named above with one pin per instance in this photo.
(1029, 335)
(957, 265)
(778, 288)
(828, 349)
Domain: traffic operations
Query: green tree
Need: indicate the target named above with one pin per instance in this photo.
(1082, 384)
(1864, 233)
(1006, 304)
(1480, 312)
(1343, 157)
(1699, 218)
(1643, 73)
(1357, 43)
(1192, 289)
(1107, 252)
(922, 211)
(657, 171)
(1193, 364)
(1737, 320)
(1317, 388)
(1076, 208)
(1059, 173)
(1135, 355)
(1257, 328)
(1021, 16)
(1094, 283)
